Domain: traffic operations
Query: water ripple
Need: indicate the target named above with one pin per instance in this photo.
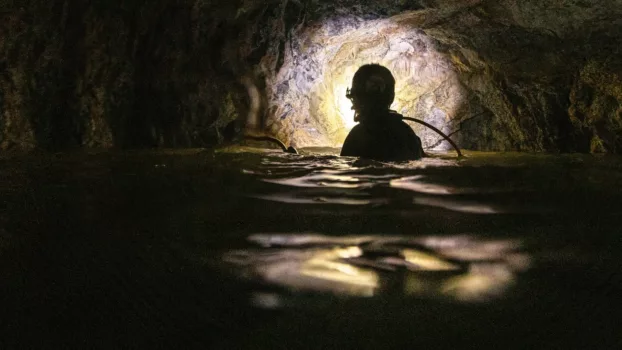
(329, 179)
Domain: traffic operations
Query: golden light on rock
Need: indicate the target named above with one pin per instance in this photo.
(307, 101)
(344, 107)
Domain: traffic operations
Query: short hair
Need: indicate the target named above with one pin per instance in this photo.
(374, 83)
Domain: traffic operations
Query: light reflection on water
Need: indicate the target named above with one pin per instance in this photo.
(321, 180)
(292, 199)
(414, 183)
(460, 206)
(462, 268)
(457, 268)
(355, 182)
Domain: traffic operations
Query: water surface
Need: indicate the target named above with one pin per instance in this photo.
(244, 248)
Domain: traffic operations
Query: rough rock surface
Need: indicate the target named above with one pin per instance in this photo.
(533, 75)
(95, 74)
(307, 97)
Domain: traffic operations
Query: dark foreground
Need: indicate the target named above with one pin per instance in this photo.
(244, 250)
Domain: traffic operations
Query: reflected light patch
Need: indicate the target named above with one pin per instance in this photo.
(367, 266)
(315, 269)
(481, 283)
(428, 262)
(350, 252)
(411, 183)
(362, 281)
(318, 180)
(293, 240)
(485, 251)
(472, 208)
(293, 198)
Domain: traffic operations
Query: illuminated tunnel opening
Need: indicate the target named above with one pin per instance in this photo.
(307, 106)
(490, 78)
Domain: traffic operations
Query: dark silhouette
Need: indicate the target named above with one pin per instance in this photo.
(274, 140)
(381, 133)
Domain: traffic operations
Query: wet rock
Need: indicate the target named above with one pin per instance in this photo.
(596, 106)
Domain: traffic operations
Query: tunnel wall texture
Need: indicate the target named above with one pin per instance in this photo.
(536, 75)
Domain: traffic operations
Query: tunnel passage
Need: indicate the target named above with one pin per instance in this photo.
(307, 103)
(498, 75)
(495, 76)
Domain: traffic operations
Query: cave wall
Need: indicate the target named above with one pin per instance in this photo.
(106, 74)
(524, 60)
(537, 75)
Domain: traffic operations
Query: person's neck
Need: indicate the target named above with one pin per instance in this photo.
(376, 115)
(373, 114)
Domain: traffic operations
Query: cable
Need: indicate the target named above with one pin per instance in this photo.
(294, 151)
(289, 149)
(438, 131)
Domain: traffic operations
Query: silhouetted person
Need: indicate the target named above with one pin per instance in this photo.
(381, 134)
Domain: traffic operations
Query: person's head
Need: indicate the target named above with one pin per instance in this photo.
(373, 89)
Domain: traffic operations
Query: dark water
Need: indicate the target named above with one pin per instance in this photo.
(251, 249)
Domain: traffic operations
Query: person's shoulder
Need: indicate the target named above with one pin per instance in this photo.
(408, 131)
(358, 130)
(355, 142)
(397, 118)
(405, 127)
(357, 127)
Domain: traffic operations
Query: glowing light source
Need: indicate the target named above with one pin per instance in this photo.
(344, 107)
(307, 99)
